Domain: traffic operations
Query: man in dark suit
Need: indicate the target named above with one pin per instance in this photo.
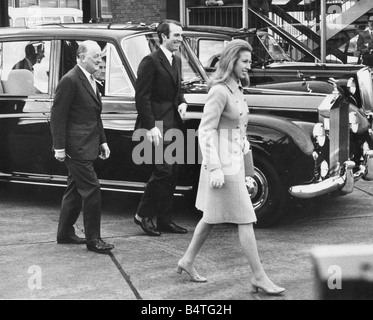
(79, 139)
(34, 54)
(160, 105)
(100, 76)
(365, 44)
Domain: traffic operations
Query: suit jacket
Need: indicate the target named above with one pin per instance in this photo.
(158, 92)
(76, 123)
(23, 64)
(363, 40)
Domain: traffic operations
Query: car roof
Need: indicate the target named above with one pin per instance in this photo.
(223, 32)
(88, 30)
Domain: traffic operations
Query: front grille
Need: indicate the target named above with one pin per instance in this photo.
(339, 134)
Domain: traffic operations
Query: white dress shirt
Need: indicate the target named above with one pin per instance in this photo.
(169, 55)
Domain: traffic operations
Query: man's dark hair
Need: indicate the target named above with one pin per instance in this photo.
(164, 28)
(30, 50)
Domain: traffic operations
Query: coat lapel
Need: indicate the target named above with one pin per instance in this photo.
(87, 85)
(166, 65)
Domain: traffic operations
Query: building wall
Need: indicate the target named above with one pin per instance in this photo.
(136, 11)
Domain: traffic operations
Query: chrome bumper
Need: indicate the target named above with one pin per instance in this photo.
(344, 183)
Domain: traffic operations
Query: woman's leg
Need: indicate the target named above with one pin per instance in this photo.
(250, 250)
(200, 235)
(186, 263)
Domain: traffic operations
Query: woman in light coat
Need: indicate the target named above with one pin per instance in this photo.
(222, 193)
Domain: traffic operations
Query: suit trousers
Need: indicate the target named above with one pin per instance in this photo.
(157, 200)
(83, 190)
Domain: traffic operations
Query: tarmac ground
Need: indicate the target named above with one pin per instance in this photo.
(33, 266)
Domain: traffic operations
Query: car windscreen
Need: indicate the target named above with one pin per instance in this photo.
(137, 47)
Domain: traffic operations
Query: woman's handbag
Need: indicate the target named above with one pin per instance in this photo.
(249, 164)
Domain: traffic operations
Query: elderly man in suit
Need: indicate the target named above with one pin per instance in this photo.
(365, 44)
(79, 139)
(160, 105)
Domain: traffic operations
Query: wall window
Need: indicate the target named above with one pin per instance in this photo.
(106, 8)
(76, 4)
(70, 4)
(48, 3)
(27, 3)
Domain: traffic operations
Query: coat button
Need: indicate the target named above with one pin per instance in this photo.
(238, 126)
(241, 113)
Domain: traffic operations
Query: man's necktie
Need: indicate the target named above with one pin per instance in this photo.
(93, 83)
(173, 64)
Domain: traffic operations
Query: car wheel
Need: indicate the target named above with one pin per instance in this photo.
(267, 193)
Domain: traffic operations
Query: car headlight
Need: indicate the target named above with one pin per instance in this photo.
(319, 134)
(365, 148)
(354, 124)
(351, 85)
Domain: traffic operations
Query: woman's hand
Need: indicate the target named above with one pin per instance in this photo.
(216, 178)
(246, 146)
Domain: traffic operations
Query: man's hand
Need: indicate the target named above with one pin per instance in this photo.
(154, 135)
(60, 155)
(182, 108)
(216, 178)
(104, 151)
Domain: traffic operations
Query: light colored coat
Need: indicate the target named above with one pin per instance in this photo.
(222, 138)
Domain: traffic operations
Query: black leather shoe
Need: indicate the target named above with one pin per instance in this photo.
(99, 246)
(148, 226)
(71, 240)
(172, 228)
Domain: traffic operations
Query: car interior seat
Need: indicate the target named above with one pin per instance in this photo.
(20, 82)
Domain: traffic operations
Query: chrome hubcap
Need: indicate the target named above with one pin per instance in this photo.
(258, 189)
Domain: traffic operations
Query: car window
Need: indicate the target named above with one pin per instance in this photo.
(189, 72)
(25, 67)
(118, 83)
(115, 80)
(209, 51)
(136, 48)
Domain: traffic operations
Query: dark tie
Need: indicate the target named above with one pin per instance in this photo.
(173, 63)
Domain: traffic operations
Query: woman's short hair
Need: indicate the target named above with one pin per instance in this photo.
(228, 59)
(164, 28)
